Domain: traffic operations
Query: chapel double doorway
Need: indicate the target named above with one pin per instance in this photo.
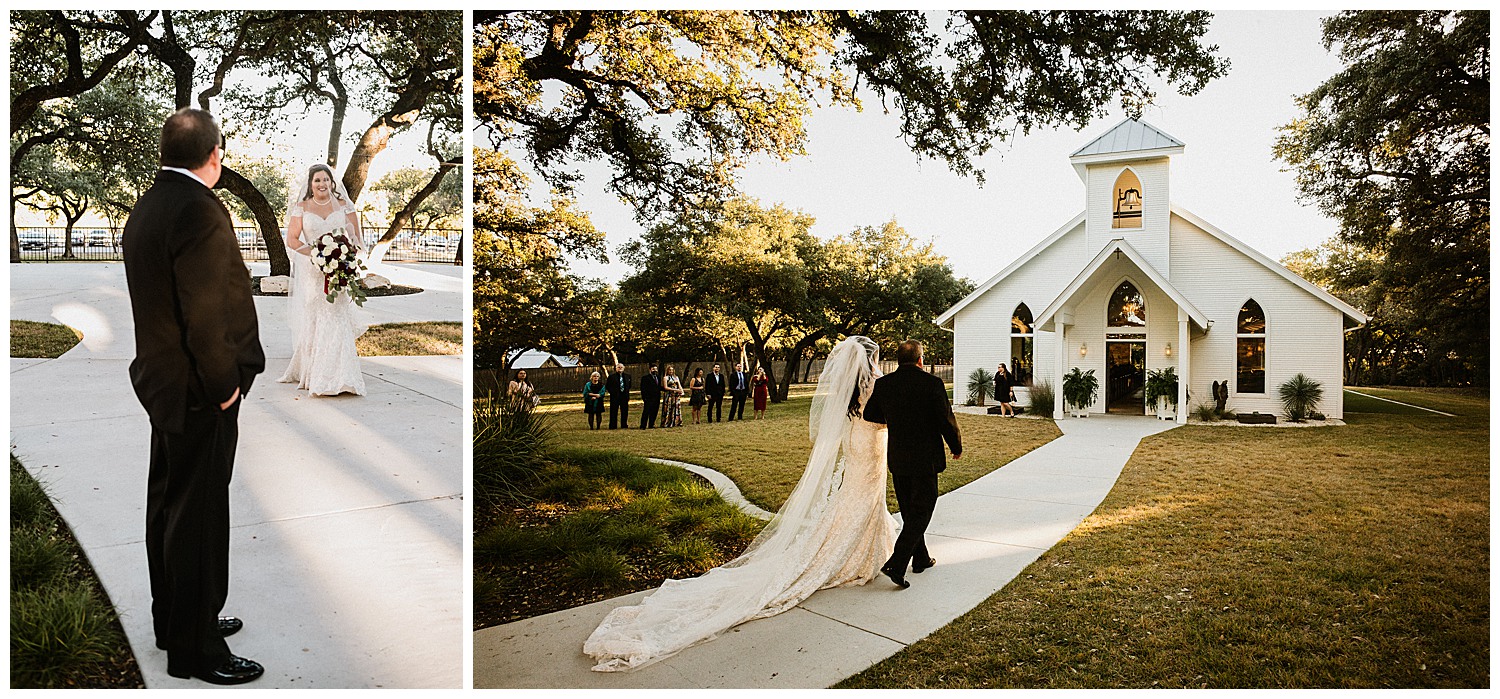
(1125, 352)
(1125, 372)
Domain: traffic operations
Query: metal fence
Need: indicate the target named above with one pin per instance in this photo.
(51, 244)
(565, 380)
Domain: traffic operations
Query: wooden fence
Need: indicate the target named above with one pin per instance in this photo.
(565, 380)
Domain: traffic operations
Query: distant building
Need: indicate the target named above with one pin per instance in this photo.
(1136, 283)
(537, 359)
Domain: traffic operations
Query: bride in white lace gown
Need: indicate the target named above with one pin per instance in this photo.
(324, 359)
(834, 530)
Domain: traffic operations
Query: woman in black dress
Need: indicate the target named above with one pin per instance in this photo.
(593, 401)
(1002, 390)
(697, 399)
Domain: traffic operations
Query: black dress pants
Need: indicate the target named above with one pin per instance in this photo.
(917, 497)
(715, 407)
(619, 411)
(737, 405)
(648, 412)
(187, 536)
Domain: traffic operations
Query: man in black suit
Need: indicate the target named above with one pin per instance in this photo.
(650, 397)
(914, 405)
(714, 387)
(197, 352)
(739, 387)
(619, 397)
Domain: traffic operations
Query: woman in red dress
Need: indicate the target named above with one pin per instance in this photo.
(760, 387)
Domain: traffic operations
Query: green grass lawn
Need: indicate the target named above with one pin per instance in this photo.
(411, 339)
(766, 457)
(63, 631)
(1353, 556)
(32, 340)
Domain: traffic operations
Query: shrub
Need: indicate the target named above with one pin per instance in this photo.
(506, 542)
(735, 531)
(1206, 412)
(29, 504)
(652, 507)
(688, 518)
(37, 559)
(1043, 400)
(611, 496)
(1080, 388)
(59, 635)
(689, 555)
(632, 535)
(509, 451)
(692, 492)
(598, 567)
(981, 383)
(1300, 396)
(578, 531)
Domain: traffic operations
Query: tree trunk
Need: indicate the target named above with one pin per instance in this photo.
(340, 107)
(407, 212)
(794, 356)
(265, 218)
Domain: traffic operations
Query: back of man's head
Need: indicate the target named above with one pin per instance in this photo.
(909, 352)
(188, 139)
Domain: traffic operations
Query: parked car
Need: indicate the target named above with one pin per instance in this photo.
(32, 240)
(99, 238)
(437, 242)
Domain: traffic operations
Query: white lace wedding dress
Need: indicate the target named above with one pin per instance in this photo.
(834, 530)
(324, 359)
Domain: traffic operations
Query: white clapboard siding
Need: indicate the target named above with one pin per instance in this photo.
(1152, 238)
(981, 331)
(1303, 333)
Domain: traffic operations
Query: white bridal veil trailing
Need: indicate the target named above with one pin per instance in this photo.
(833, 530)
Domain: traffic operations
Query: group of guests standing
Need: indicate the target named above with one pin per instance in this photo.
(661, 396)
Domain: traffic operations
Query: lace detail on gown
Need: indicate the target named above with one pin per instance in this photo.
(847, 536)
(324, 359)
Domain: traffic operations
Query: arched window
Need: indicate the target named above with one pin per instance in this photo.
(1250, 349)
(1022, 336)
(1127, 308)
(1129, 201)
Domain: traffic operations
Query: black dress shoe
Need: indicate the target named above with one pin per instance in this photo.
(919, 568)
(227, 625)
(896, 577)
(235, 670)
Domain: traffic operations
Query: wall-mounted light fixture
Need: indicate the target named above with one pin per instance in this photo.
(1169, 349)
(1083, 350)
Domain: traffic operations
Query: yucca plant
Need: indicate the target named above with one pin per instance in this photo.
(981, 383)
(1300, 396)
(510, 451)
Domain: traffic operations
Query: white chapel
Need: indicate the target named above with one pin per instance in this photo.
(1135, 283)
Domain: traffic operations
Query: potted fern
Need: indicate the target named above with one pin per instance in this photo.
(1079, 390)
(1161, 392)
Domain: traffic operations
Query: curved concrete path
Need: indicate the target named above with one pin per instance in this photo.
(982, 536)
(727, 489)
(346, 553)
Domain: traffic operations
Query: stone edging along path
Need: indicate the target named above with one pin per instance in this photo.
(727, 489)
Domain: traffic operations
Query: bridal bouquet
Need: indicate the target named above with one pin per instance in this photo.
(334, 254)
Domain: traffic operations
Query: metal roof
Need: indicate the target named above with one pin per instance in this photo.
(1126, 137)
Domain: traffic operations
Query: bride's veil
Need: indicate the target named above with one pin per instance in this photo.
(298, 189)
(850, 368)
(683, 612)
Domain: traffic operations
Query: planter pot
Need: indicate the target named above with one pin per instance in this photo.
(1165, 411)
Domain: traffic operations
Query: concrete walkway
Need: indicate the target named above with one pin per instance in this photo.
(346, 552)
(982, 536)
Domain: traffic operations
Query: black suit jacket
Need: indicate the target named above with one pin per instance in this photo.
(913, 405)
(732, 379)
(618, 384)
(714, 384)
(650, 387)
(196, 334)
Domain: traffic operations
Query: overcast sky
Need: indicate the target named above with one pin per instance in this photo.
(858, 171)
